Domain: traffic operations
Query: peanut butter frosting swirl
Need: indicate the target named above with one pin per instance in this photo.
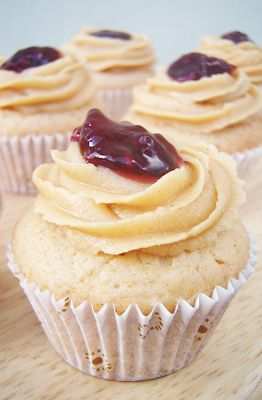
(100, 211)
(61, 85)
(201, 106)
(103, 53)
(246, 55)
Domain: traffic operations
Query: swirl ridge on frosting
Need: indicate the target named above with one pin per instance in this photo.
(107, 53)
(101, 211)
(62, 85)
(203, 106)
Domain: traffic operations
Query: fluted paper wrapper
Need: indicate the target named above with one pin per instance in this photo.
(117, 101)
(19, 156)
(246, 161)
(132, 346)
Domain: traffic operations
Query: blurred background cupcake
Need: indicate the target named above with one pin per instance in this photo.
(44, 94)
(118, 61)
(203, 98)
(238, 49)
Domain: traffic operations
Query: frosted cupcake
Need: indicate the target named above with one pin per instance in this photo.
(44, 94)
(133, 249)
(203, 98)
(238, 49)
(118, 60)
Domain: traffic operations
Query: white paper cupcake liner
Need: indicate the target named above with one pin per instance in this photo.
(132, 346)
(116, 102)
(246, 161)
(19, 156)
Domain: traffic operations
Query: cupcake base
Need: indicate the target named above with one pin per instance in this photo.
(19, 156)
(131, 347)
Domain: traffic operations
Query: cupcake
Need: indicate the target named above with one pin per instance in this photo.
(44, 94)
(133, 249)
(118, 61)
(238, 49)
(203, 98)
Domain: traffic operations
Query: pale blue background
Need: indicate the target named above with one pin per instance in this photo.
(173, 26)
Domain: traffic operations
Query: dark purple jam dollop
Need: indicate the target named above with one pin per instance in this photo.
(236, 37)
(194, 66)
(128, 149)
(112, 34)
(30, 57)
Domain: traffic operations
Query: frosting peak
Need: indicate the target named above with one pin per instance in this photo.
(103, 53)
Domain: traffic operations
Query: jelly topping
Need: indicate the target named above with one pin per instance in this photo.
(194, 66)
(112, 34)
(125, 148)
(237, 37)
(30, 57)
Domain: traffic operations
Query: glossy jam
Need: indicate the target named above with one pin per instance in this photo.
(112, 34)
(194, 66)
(128, 149)
(236, 37)
(30, 57)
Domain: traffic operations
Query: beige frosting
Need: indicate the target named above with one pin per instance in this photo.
(246, 55)
(105, 53)
(115, 63)
(51, 98)
(100, 211)
(61, 85)
(202, 106)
